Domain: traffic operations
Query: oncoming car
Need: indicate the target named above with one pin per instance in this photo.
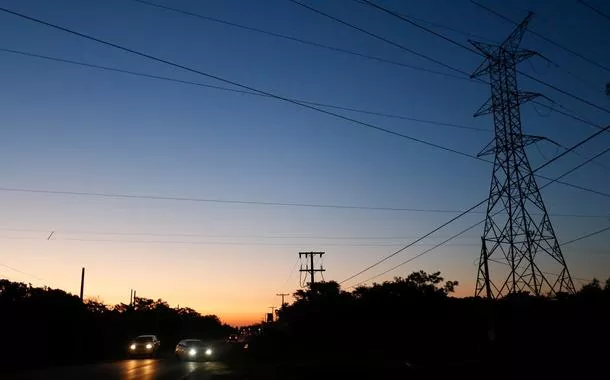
(194, 349)
(144, 345)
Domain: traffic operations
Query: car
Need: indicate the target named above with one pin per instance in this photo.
(194, 349)
(233, 338)
(144, 345)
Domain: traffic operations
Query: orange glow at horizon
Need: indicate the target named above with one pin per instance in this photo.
(204, 278)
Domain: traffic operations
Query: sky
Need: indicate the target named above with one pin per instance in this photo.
(70, 128)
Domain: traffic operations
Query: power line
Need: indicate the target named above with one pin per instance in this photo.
(239, 202)
(586, 236)
(477, 205)
(592, 191)
(438, 25)
(582, 142)
(598, 163)
(571, 116)
(581, 120)
(447, 39)
(221, 201)
(567, 93)
(263, 237)
(212, 243)
(483, 220)
(288, 100)
(378, 37)
(170, 79)
(556, 44)
(325, 237)
(406, 19)
(578, 78)
(572, 169)
(420, 254)
(594, 9)
(441, 26)
(292, 271)
(160, 60)
(455, 69)
(402, 117)
(360, 123)
(467, 48)
(402, 17)
(549, 273)
(24, 273)
(299, 40)
(413, 243)
(338, 116)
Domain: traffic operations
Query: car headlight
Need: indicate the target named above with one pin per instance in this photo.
(148, 346)
(132, 347)
(192, 352)
(208, 352)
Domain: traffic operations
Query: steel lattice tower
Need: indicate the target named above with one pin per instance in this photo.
(520, 252)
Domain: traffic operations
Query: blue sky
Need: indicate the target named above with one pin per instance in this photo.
(73, 128)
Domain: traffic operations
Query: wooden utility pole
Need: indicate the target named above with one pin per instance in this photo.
(283, 295)
(82, 284)
(310, 269)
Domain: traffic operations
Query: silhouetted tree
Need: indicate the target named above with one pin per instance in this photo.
(67, 330)
(96, 306)
(415, 318)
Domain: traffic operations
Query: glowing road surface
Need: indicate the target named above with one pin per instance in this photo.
(145, 369)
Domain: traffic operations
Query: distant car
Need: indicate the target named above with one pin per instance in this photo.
(144, 345)
(233, 338)
(194, 349)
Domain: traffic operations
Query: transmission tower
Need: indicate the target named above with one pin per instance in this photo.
(519, 247)
(309, 267)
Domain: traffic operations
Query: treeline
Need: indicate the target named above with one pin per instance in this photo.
(43, 326)
(413, 323)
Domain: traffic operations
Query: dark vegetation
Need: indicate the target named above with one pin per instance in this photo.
(406, 328)
(43, 326)
(411, 326)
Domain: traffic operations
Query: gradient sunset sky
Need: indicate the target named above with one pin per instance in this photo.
(80, 129)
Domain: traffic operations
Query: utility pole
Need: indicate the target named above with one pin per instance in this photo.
(519, 246)
(310, 269)
(130, 297)
(272, 310)
(283, 295)
(82, 284)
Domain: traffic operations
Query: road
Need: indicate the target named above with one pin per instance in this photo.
(134, 369)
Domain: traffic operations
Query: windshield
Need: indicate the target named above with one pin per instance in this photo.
(143, 339)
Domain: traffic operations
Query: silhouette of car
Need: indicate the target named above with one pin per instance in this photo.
(194, 349)
(144, 345)
(233, 338)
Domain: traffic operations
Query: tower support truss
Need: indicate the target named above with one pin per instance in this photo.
(519, 252)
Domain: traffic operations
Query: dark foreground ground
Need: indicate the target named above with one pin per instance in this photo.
(240, 364)
(170, 369)
(243, 367)
(166, 368)
(234, 364)
(132, 369)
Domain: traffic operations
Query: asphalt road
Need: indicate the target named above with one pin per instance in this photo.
(134, 369)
